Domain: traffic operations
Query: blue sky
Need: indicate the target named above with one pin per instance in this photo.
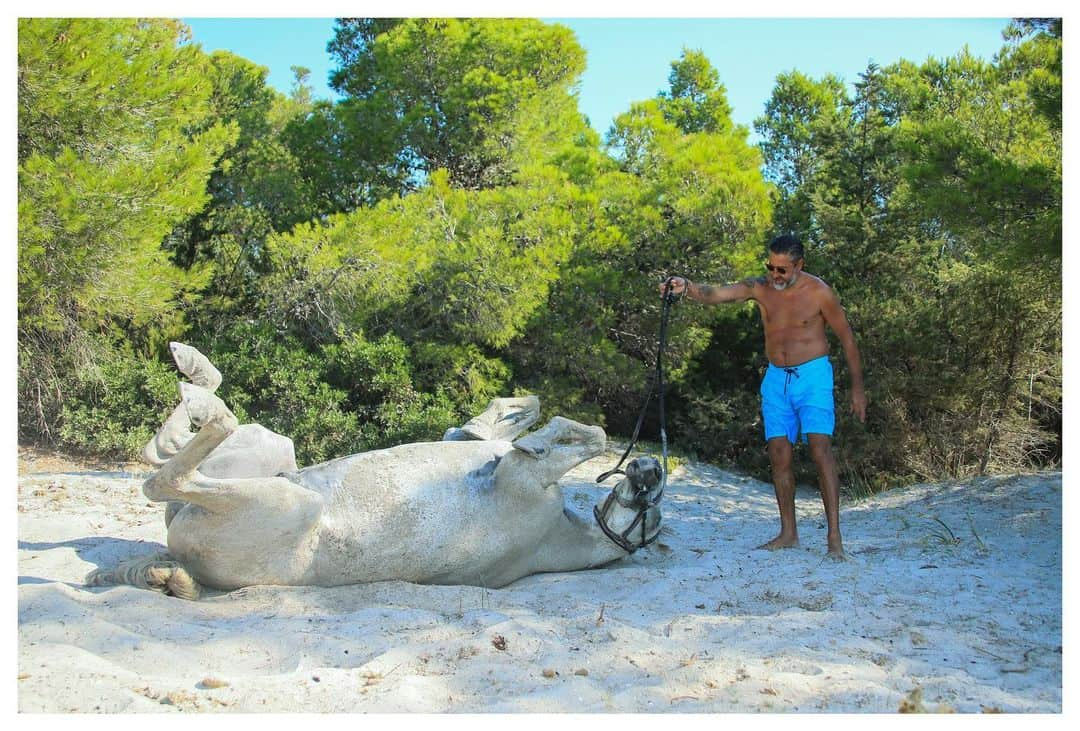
(629, 59)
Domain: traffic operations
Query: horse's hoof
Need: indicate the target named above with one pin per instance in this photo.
(195, 366)
(204, 408)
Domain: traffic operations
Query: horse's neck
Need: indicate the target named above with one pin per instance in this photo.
(517, 471)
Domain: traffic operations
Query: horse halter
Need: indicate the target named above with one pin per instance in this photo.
(641, 490)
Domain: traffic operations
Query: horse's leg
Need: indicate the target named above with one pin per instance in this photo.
(174, 434)
(178, 479)
(502, 420)
(170, 438)
(195, 366)
(158, 572)
(234, 531)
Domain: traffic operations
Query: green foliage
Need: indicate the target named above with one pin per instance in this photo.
(984, 153)
(932, 203)
(1039, 60)
(454, 94)
(254, 190)
(500, 253)
(344, 398)
(441, 265)
(346, 274)
(377, 376)
(697, 101)
(116, 142)
(801, 120)
(675, 202)
(372, 271)
(346, 155)
(374, 371)
(106, 167)
(564, 396)
(116, 406)
(381, 389)
(463, 374)
(275, 381)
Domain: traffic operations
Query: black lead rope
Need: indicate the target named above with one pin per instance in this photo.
(658, 380)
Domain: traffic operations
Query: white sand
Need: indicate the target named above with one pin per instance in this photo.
(698, 623)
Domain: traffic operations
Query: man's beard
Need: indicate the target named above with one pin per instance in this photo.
(785, 285)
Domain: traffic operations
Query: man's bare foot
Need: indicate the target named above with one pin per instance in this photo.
(836, 550)
(781, 541)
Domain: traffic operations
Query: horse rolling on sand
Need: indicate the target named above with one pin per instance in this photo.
(478, 508)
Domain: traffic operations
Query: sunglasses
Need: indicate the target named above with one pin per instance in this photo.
(778, 270)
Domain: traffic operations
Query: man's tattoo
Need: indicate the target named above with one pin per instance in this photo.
(704, 290)
(750, 282)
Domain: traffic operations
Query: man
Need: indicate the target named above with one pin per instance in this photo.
(797, 391)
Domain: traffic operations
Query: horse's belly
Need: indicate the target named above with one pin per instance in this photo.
(250, 451)
(443, 522)
(454, 547)
(222, 551)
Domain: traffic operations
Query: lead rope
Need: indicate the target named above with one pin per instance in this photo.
(658, 380)
(669, 299)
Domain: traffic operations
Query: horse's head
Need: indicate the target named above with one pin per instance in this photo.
(642, 483)
(631, 514)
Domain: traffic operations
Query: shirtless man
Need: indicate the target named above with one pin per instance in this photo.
(797, 391)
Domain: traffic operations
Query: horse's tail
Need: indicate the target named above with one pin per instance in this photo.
(157, 572)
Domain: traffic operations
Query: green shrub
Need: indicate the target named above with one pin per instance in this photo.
(351, 396)
(117, 405)
(378, 376)
(370, 372)
(273, 380)
(419, 418)
(462, 374)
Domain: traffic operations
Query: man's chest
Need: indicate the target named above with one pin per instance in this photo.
(790, 310)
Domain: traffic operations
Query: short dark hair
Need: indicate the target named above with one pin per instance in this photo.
(787, 244)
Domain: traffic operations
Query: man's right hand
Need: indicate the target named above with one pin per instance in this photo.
(858, 403)
(678, 285)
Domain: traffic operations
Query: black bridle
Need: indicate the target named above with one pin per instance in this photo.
(641, 500)
(636, 492)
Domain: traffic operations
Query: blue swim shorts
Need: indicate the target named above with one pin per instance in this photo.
(798, 400)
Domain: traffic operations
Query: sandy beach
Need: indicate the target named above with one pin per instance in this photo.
(950, 600)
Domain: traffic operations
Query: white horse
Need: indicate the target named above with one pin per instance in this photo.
(482, 512)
